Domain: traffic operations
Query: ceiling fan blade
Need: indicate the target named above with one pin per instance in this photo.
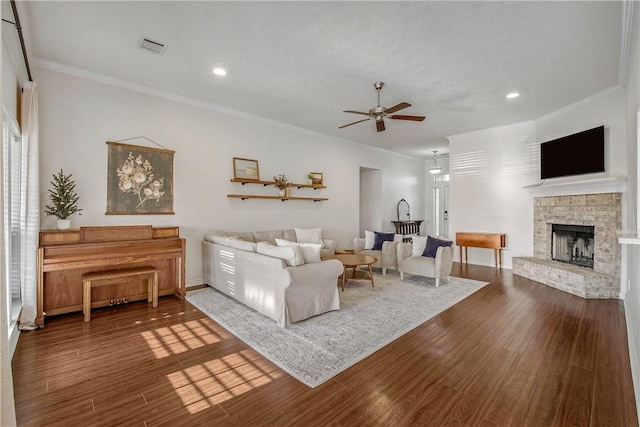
(380, 125)
(355, 112)
(344, 126)
(398, 107)
(412, 118)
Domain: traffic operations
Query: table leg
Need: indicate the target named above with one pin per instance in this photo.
(371, 275)
(495, 257)
(466, 254)
(344, 277)
(460, 254)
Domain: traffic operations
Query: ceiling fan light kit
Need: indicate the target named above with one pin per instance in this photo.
(379, 113)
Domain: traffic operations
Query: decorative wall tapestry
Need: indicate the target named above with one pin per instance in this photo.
(139, 180)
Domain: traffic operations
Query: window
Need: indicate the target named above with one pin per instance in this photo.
(12, 171)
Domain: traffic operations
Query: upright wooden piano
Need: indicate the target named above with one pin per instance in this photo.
(65, 255)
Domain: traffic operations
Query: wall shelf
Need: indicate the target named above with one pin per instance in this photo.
(266, 183)
(283, 198)
(244, 181)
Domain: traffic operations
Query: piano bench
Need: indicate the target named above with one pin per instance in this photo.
(114, 277)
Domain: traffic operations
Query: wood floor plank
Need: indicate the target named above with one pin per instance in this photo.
(514, 353)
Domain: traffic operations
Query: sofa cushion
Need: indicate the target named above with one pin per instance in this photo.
(242, 245)
(291, 255)
(289, 235)
(310, 251)
(268, 236)
(380, 238)
(309, 235)
(432, 246)
(218, 238)
(418, 243)
(231, 241)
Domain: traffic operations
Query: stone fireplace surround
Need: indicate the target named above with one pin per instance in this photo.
(603, 211)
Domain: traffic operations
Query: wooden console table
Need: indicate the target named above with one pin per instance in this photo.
(65, 255)
(495, 241)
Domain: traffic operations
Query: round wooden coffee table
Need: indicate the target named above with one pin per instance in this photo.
(353, 262)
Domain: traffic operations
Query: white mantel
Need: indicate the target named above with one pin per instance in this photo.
(574, 186)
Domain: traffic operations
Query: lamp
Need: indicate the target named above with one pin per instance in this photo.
(435, 169)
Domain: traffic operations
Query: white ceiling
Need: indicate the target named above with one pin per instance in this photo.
(303, 63)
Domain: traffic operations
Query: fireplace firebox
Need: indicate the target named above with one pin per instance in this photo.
(572, 244)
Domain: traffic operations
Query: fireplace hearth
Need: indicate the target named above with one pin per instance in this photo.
(572, 244)
(575, 246)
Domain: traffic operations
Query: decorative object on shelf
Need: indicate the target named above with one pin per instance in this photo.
(281, 182)
(435, 170)
(403, 211)
(139, 180)
(316, 178)
(245, 169)
(64, 200)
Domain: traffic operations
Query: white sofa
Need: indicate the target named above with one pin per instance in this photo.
(411, 260)
(285, 293)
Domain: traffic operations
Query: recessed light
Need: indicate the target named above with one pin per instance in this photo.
(219, 71)
(513, 95)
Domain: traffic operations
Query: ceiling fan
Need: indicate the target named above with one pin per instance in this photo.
(380, 113)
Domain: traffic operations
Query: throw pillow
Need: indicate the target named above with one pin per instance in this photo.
(432, 246)
(380, 238)
(309, 235)
(368, 239)
(418, 244)
(310, 251)
(291, 255)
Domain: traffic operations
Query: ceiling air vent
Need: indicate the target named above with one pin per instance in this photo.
(152, 46)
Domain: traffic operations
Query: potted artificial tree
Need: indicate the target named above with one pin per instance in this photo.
(64, 200)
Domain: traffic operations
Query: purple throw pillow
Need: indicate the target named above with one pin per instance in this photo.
(379, 238)
(432, 246)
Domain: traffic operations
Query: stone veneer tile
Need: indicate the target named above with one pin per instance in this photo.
(604, 213)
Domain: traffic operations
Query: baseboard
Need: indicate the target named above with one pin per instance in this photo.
(194, 282)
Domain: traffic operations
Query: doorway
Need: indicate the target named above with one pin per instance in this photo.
(370, 199)
(441, 205)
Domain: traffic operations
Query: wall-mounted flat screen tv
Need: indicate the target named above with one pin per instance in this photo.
(576, 154)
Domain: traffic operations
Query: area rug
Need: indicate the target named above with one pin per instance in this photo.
(316, 349)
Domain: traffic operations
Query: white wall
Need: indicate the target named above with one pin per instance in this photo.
(77, 117)
(488, 170)
(631, 253)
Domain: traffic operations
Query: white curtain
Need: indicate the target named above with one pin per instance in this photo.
(30, 208)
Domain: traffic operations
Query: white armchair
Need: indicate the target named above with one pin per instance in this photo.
(411, 261)
(387, 257)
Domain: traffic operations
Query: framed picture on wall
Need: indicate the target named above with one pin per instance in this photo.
(139, 180)
(316, 178)
(245, 169)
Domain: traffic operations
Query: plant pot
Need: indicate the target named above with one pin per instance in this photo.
(287, 192)
(282, 192)
(63, 224)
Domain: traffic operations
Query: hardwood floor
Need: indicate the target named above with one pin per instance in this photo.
(515, 353)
